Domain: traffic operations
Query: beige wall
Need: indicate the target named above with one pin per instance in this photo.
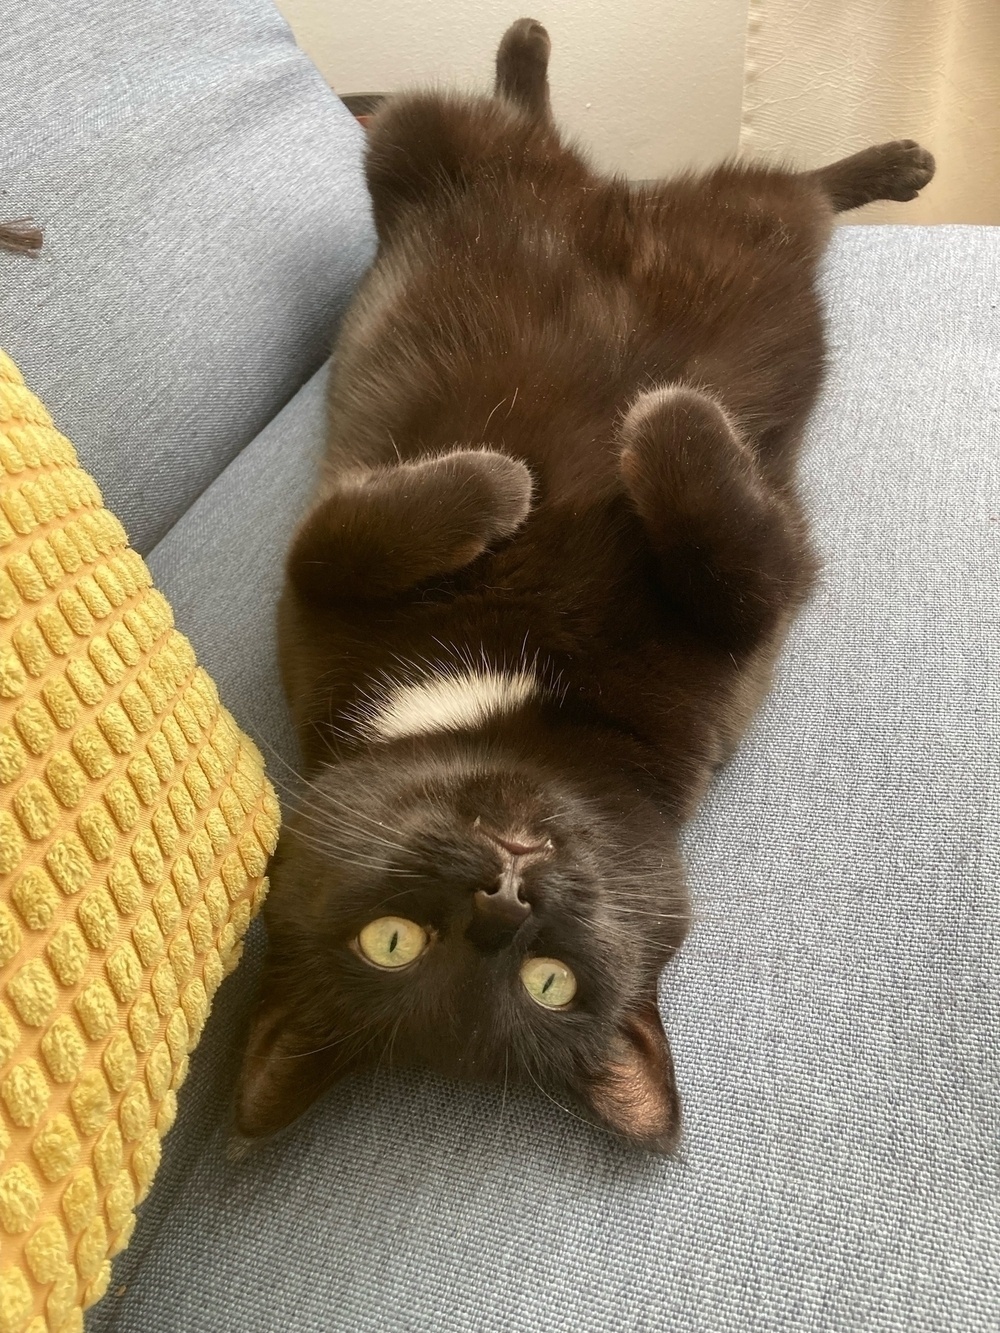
(647, 85)
(650, 86)
(827, 77)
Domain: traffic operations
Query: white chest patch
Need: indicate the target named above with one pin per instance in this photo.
(448, 702)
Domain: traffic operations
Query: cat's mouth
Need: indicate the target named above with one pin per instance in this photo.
(516, 848)
(518, 844)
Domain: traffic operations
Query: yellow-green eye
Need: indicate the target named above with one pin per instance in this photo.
(548, 982)
(392, 941)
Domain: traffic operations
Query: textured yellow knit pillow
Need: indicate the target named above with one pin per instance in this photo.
(135, 826)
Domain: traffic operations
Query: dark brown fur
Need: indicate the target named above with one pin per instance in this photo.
(564, 418)
(20, 237)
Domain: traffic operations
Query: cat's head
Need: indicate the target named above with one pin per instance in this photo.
(491, 906)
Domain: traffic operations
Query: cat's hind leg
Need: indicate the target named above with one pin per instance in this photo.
(522, 67)
(732, 554)
(897, 170)
(422, 146)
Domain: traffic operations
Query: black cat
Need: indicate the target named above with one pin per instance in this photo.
(538, 598)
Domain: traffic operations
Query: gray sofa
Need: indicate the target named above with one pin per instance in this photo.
(835, 1014)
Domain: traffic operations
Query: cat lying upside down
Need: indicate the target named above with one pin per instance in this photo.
(553, 556)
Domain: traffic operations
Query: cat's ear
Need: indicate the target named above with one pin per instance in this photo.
(284, 1070)
(634, 1093)
(382, 531)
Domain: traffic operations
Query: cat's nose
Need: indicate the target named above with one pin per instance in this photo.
(498, 912)
(503, 905)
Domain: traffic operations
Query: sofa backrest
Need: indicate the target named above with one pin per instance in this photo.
(205, 218)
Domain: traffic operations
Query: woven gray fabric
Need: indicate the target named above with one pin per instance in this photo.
(835, 1012)
(205, 220)
(223, 564)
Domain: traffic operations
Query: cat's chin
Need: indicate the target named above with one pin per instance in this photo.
(512, 790)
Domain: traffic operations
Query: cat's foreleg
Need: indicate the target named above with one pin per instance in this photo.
(381, 531)
(732, 555)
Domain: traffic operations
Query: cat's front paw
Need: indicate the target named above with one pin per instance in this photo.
(502, 485)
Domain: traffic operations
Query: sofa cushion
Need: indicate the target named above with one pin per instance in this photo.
(224, 562)
(834, 1014)
(205, 218)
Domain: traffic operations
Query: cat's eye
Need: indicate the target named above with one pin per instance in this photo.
(392, 941)
(548, 982)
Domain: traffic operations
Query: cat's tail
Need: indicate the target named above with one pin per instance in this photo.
(522, 68)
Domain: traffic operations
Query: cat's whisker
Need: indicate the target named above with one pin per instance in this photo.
(316, 814)
(567, 1110)
(390, 1046)
(362, 835)
(355, 813)
(392, 1039)
(343, 857)
(391, 898)
(316, 810)
(320, 808)
(503, 1099)
(329, 1046)
(276, 754)
(360, 831)
(647, 893)
(654, 916)
(624, 909)
(636, 877)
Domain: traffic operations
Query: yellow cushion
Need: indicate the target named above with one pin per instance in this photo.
(135, 826)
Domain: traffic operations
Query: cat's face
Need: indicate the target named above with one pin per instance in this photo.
(485, 913)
